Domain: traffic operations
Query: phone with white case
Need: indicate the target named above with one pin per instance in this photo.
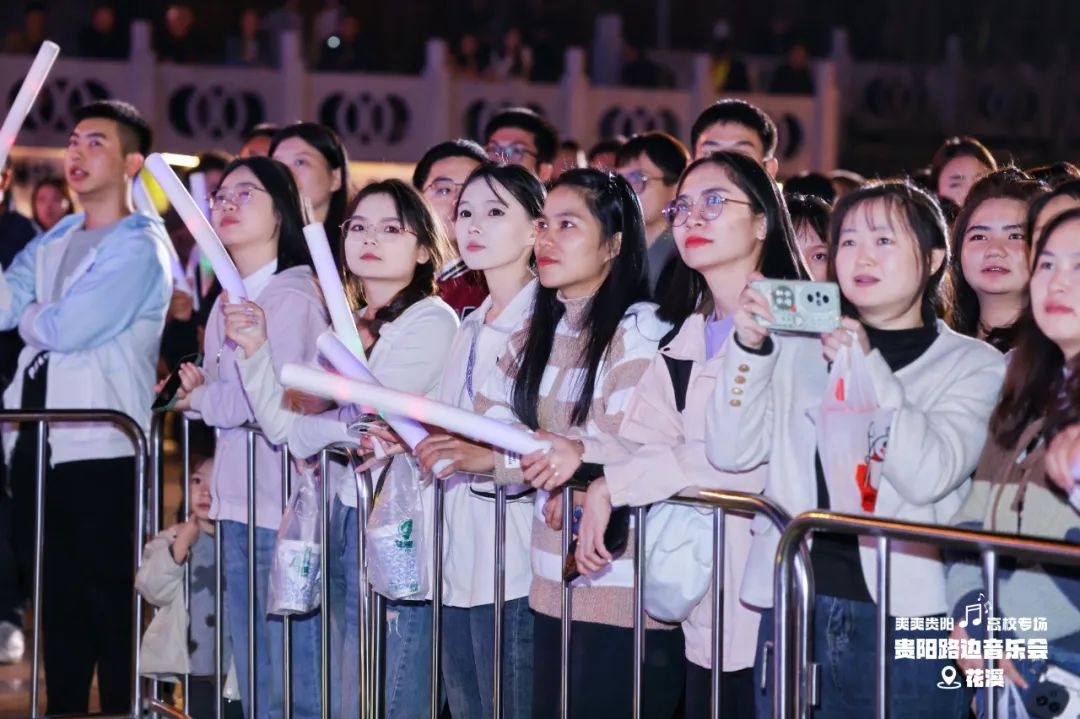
(800, 306)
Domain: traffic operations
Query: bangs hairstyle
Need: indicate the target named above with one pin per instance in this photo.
(960, 146)
(451, 148)
(522, 185)
(668, 154)
(134, 130)
(920, 214)
(811, 212)
(614, 204)
(1035, 378)
(328, 144)
(545, 136)
(737, 112)
(278, 182)
(1008, 183)
(687, 292)
(1070, 189)
(416, 214)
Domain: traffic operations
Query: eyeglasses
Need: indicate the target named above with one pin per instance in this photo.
(513, 154)
(219, 198)
(639, 180)
(441, 189)
(711, 204)
(384, 231)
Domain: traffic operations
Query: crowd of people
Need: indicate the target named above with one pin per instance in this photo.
(612, 310)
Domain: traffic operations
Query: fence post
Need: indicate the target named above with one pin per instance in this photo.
(566, 609)
(293, 103)
(251, 555)
(500, 596)
(39, 548)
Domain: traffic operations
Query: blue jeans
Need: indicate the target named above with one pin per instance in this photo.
(344, 613)
(844, 646)
(408, 659)
(1064, 654)
(269, 668)
(468, 650)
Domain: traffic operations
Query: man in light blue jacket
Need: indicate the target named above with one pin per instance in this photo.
(89, 298)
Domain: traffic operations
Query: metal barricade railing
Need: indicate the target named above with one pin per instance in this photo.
(791, 685)
(44, 418)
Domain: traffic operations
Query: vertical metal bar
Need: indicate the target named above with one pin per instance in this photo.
(378, 616)
(185, 488)
(882, 629)
(324, 583)
(39, 549)
(364, 610)
(989, 558)
(156, 492)
(500, 597)
(717, 613)
(251, 620)
(219, 632)
(808, 690)
(639, 610)
(286, 621)
(436, 597)
(566, 609)
(140, 490)
(783, 680)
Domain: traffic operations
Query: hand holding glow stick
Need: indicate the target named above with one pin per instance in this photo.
(330, 280)
(31, 86)
(391, 402)
(197, 224)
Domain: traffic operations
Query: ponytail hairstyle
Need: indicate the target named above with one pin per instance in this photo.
(615, 206)
(280, 185)
(413, 212)
(1035, 382)
(687, 292)
(329, 145)
(1007, 183)
(920, 211)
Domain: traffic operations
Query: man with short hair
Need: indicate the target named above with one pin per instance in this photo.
(522, 137)
(652, 163)
(89, 298)
(439, 175)
(257, 141)
(738, 126)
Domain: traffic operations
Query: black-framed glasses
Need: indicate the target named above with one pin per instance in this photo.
(441, 189)
(219, 198)
(639, 180)
(710, 204)
(513, 154)
(381, 230)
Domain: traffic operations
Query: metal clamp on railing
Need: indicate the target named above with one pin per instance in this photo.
(791, 685)
(44, 418)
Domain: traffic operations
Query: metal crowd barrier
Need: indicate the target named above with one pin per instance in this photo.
(793, 680)
(44, 418)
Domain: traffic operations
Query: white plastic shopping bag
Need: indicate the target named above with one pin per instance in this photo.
(678, 560)
(852, 434)
(296, 571)
(396, 562)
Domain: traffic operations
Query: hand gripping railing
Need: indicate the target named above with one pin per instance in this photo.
(44, 418)
(790, 677)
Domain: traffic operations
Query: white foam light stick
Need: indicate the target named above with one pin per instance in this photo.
(144, 204)
(24, 100)
(391, 402)
(333, 292)
(198, 226)
(344, 361)
(197, 180)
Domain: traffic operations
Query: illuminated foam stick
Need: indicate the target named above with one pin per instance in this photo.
(31, 86)
(197, 181)
(140, 195)
(198, 226)
(344, 361)
(391, 402)
(333, 292)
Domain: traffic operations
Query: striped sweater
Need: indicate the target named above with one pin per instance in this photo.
(606, 598)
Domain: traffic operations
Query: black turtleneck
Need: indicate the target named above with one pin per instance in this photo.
(835, 557)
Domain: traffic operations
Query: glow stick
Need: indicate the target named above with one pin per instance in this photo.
(344, 361)
(144, 204)
(391, 402)
(198, 226)
(31, 86)
(333, 292)
(197, 180)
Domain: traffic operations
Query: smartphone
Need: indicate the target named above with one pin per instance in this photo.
(801, 306)
(166, 398)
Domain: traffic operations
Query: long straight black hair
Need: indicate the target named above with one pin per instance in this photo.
(278, 181)
(329, 145)
(615, 206)
(1035, 384)
(687, 292)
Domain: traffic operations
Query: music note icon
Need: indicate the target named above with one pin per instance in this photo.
(970, 609)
